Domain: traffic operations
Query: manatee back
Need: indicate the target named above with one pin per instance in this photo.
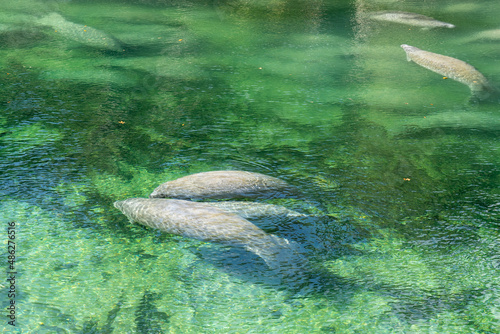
(190, 219)
(80, 33)
(224, 185)
(409, 18)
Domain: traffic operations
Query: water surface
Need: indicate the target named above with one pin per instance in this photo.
(307, 91)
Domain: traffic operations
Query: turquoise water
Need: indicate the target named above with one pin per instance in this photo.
(308, 91)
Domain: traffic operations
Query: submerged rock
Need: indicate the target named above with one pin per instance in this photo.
(80, 33)
(227, 184)
(451, 68)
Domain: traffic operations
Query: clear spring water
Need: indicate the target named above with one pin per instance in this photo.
(308, 91)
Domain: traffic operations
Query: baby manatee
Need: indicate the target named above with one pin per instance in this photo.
(226, 184)
(256, 210)
(80, 33)
(451, 68)
(249, 210)
(412, 19)
(204, 222)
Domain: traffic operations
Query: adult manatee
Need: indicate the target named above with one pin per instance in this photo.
(451, 68)
(226, 184)
(408, 18)
(452, 119)
(80, 33)
(204, 222)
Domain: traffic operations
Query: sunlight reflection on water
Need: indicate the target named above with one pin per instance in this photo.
(404, 166)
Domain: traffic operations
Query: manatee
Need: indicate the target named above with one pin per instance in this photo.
(205, 222)
(491, 35)
(227, 184)
(80, 33)
(451, 68)
(255, 210)
(476, 120)
(412, 19)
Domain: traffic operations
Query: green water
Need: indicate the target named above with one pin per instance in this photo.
(307, 91)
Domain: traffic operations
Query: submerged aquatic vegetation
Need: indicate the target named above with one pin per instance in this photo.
(305, 94)
(148, 318)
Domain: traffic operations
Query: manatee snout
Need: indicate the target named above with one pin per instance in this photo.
(157, 193)
(118, 205)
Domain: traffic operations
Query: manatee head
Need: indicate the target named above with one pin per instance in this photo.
(50, 19)
(160, 192)
(407, 47)
(119, 205)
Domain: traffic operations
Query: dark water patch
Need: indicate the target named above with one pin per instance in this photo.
(62, 266)
(148, 319)
(21, 38)
(92, 326)
(142, 255)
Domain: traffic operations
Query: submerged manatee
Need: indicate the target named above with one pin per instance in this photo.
(486, 35)
(493, 34)
(80, 33)
(226, 184)
(476, 120)
(412, 19)
(205, 222)
(256, 210)
(249, 210)
(452, 68)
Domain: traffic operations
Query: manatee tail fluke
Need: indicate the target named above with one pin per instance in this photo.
(282, 256)
(489, 94)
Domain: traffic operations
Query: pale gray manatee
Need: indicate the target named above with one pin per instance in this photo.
(80, 33)
(412, 19)
(207, 223)
(226, 184)
(493, 34)
(255, 210)
(474, 120)
(451, 68)
(486, 35)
